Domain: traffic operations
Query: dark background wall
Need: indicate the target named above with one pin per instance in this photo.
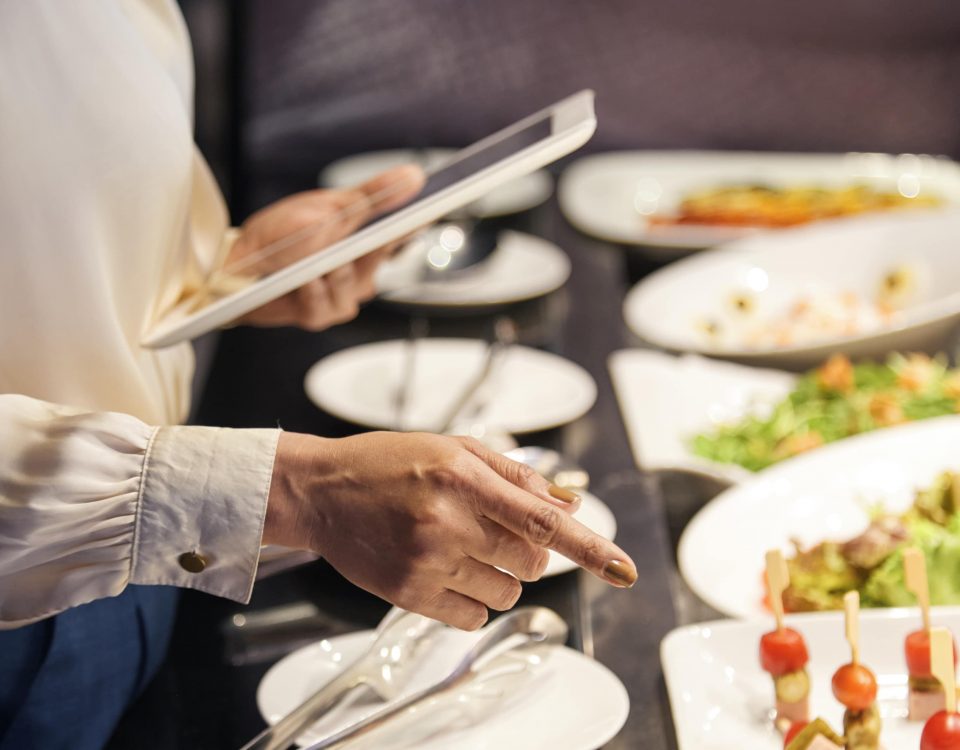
(312, 80)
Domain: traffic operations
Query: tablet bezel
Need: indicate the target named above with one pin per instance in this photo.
(572, 123)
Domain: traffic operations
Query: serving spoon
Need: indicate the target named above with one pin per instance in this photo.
(384, 668)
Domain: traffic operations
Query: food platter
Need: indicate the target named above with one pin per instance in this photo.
(827, 494)
(721, 698)
(863, 286)
(725, 420)
(614, 195)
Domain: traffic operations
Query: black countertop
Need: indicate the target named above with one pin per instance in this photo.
(204, 696)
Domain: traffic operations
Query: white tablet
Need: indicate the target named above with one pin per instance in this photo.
(513, 152)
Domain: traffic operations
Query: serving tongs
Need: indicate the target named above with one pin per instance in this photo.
(502, 654)
(385, 668)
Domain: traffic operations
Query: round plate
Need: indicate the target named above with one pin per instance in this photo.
(519, 195)
(522, 267)
(572, 703)
(610, 195)
(773, 271)
(596, 516)
(531, 390)
(824, 494)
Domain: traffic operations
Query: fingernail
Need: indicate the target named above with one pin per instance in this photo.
(563, 494)
(620, 574)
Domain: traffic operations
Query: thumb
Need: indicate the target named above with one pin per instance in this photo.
(391, 189)
(524, 477)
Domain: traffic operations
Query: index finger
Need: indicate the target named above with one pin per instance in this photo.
(547, 526)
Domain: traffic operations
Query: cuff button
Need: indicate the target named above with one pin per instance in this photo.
(192, 562)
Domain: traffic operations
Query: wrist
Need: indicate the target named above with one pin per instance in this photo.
(288, 519)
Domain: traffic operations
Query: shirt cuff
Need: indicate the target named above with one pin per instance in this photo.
(203, 498)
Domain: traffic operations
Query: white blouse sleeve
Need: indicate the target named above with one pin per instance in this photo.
(90, 502)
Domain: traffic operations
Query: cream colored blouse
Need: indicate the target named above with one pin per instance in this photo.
(107, 211)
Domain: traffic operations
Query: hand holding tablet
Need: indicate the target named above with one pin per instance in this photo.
(293, 260)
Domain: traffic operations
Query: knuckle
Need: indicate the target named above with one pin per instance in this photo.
(542, 525)
(535, 564)
(523, 474)
(594, 549)
(473, 618)
(508, 595)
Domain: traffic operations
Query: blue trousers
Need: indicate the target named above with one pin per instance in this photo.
(66, 681)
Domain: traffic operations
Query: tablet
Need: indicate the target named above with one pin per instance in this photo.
(513, 152)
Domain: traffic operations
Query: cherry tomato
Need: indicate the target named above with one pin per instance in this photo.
(941, 732)
(855, 686)
(917, 650)
(792, 732)
(783, 651)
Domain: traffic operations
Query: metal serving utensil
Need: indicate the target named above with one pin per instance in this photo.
(524, 628)
(384, 668)
(505, 336)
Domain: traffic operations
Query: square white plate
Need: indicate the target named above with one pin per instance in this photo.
(722, 699)
(665, 401)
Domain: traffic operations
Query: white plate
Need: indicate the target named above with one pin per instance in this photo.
(824, 494)
(669, 307)
(572, 703)
(519, 195)
(665, 401)
(522, 267)
(596, 516)
(601, 194)
(721, 699)
(531, 390)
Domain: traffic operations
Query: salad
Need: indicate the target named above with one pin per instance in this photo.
(837, 400)
(872, 563)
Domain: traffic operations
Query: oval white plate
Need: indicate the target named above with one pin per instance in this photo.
(669, 307)
(573, 702)
(522, 267)
(721, 698)
(820, 495)
(532, 390)
(520, 195)
(596, 516)
(604, 195)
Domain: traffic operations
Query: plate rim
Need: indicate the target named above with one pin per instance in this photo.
(615, 684)
(941, 310)
(772, 475)
(581, 373)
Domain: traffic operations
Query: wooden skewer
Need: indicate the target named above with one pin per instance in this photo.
(778, 578)
(941, 665)
(915, 572)
(851, 608)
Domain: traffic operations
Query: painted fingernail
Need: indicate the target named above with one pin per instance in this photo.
(620, 574)
(562, 494)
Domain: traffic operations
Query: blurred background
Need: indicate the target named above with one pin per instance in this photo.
(286, 86)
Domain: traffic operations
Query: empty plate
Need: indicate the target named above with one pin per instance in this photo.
(529, 390)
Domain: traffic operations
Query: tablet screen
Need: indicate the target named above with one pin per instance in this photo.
(469, 161)
(310, 239)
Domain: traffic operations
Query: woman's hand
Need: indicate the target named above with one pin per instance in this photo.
(315, 214)
(424, 521)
